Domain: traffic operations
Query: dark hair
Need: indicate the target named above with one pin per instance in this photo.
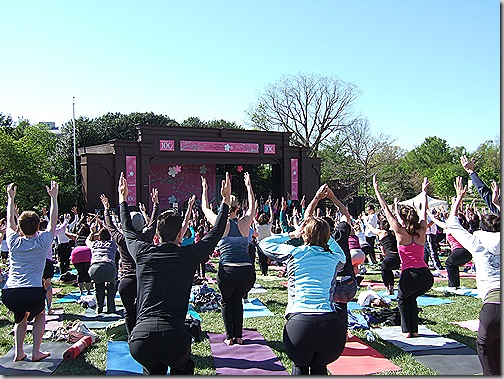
(29, 222)
(84, 230)
(384, 224)
(43, 224)
(329, 221)
(463, 221)
(263, 219)
(168, 225)
(371, 206)
(104, 234)
(410, 218)
(317, 232)
(490, 223)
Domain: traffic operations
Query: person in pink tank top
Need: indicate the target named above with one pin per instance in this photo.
(416, 278)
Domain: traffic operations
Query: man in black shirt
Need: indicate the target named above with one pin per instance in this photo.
(164, 276)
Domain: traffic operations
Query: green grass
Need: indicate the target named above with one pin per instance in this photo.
(436, 318)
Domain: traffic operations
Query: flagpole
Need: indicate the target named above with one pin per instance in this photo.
(74, 142)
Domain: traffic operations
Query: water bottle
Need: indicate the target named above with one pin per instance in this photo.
(370, 336)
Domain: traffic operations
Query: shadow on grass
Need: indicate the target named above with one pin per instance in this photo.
(78, 366)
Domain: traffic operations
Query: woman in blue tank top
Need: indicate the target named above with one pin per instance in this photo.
(236, 274)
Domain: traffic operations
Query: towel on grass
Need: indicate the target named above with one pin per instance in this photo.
(427, 340)
(472, 325)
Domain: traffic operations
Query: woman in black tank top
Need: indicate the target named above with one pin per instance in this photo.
(392, 261)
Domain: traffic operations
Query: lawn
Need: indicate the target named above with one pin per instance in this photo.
(436, 318)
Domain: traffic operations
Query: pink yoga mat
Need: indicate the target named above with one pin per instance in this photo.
(360, 359)
(472, 325)
(254, 357)
(366, 283)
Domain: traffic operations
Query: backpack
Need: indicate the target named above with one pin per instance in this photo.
(386, 316)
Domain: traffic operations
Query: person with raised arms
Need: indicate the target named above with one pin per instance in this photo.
(23, 293)
(165, 273)
(416, 278)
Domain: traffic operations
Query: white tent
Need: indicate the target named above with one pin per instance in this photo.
(431, 202)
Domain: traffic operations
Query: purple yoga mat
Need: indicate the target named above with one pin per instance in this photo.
(254, 357)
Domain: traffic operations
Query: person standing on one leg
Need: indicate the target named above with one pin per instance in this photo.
(416, 278)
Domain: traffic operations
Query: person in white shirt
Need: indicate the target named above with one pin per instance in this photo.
(371, 219)
(484, 245)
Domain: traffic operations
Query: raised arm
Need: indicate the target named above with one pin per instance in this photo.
(205, 207)
(187, 217)
(249, 215)
(11, 221)
(423, 201)
(53, 193)
(461, 190)
(346, 217)
(496, 195)
(483, 190)
(394, 225)
(319, 195)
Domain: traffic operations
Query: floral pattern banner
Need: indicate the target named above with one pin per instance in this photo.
(177, 182)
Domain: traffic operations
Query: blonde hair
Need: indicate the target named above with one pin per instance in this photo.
(317, 232)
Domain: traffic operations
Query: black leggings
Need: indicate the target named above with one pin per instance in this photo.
(83, 272)
(128, 293)
(414, 282)
(369, 252)
(391, 262)
(64, 251)
(488, 340)
(313, 341)
(234, 282)
(156, 350)
(457, 257)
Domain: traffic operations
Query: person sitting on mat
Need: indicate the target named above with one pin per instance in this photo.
(314, 334)
(165, 276)
(23, 293)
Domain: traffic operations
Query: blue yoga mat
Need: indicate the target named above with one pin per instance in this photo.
(254, 308)
(120, 362)
(422, 301)
(463, 291)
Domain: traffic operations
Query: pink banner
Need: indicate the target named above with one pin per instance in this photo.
(294, 179)
(219, 147)
(166, 145)
(131, 172)
(269, 148)
(177, 182)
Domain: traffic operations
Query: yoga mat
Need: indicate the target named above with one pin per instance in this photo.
(254, 308)
(422, 301)
(366, 283)
(353, 305)
(462, 274)
(360, 359)
(463, 291)
(56, 290)
(459, 361)
(472, 325)
(119, 360)
(254, 357)
(71, 297)
(268, 278)
(258, 289)
(53, 321)
(100, 321)
(28, 368)
(427, 340)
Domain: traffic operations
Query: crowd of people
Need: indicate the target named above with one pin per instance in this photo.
(143, 256)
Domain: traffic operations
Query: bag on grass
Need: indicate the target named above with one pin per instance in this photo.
(344, 289)
(387, 316)
(193, 326)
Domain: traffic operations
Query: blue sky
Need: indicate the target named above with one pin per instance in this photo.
(425, 68)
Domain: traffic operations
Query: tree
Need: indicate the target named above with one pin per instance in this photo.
(311, 107)
(354, 156)
(195, 122)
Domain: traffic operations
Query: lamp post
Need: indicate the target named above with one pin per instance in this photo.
(74, 142)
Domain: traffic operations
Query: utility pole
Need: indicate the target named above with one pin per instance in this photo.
(74, 143)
